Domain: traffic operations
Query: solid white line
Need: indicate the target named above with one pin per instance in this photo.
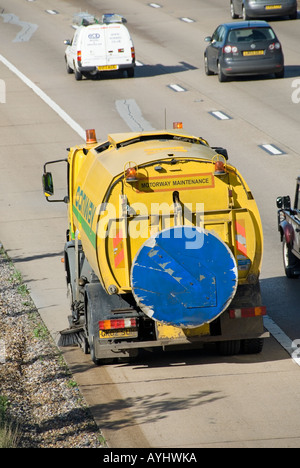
(74, 125)
(279, 335)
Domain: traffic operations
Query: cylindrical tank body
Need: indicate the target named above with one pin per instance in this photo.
(163, 216)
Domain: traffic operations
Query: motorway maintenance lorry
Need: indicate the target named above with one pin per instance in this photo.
(164, 246)
(289, 228)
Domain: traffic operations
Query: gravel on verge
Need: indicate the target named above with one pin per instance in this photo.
(44, 400)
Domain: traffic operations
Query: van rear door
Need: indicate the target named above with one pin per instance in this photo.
(94, 47)
(119, 45)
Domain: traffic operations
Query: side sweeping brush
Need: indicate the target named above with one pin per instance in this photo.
(72, 337)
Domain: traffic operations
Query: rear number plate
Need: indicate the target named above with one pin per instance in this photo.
(124, 333)
(273, 7)
(251, 53)
(108, 67)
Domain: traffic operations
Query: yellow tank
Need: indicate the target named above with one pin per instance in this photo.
(103, 200)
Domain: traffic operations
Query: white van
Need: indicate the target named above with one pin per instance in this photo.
(100, 47)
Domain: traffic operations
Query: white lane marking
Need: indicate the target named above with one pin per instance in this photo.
(132, 115)
(154, 5)
(220, 115)
(271, 149)
(52, 12)
(74, 125)
(177, 88)
(279, 335)
(188, 20)
(27, 31)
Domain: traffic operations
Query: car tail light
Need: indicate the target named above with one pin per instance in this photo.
(79, 56)
(275, 46)
(132, 53)
(247, 312)
(230, 49)
(117, 324)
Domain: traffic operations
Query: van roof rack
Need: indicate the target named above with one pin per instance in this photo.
(113, 18)
(84, 19)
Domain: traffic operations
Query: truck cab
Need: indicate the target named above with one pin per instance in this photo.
(289, 228)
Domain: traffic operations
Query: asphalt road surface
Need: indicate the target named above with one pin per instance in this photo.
(188, 399)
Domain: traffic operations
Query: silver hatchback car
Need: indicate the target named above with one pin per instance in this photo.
(251, 9)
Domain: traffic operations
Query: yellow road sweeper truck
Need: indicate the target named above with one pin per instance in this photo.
(164, 246)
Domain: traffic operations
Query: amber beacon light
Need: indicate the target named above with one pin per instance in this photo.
(91, 137)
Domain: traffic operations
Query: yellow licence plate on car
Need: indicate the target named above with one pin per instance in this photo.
(124, 333)
(250, 53)
(273, 7)
(108, 67)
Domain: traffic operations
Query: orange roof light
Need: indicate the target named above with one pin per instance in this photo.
(130, 172)
(177, 125)
(220, 165)
(91, 137)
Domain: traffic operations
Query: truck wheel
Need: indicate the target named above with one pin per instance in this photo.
(91, 336)
(229, 348)
(254, 346)
(290, 262)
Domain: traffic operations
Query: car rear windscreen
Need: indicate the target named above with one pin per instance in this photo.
(238, 36)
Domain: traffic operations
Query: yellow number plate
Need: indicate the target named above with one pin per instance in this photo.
(124, 333)
(273, 7)
(250, 53)
(108, 67)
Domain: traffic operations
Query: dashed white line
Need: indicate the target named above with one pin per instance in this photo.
(154, 5)
(188, 20)
(220, 115)
(273, 150)
(177, 88)
(52, 12)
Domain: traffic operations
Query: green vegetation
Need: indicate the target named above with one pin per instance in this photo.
(8, 431)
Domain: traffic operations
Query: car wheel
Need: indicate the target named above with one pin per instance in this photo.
(208, 72)
(233, 14)
(280, 74)
(291, 263)
(222, 77)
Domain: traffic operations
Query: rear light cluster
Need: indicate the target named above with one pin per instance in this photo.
(275, 46)
(117, 324)
(247, 312)
(230, 49)
(79, 57)
(132, 53)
